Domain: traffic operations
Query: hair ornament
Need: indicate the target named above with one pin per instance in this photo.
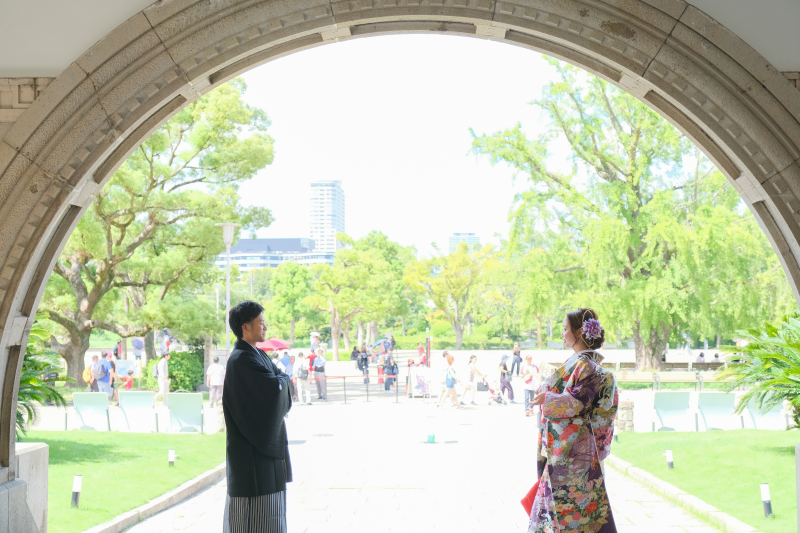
(592, 329)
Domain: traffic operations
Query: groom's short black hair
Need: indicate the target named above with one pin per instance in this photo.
(242, 314)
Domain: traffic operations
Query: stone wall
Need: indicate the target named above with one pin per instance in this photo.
(624, 420)
(17, 95)
(793, 77)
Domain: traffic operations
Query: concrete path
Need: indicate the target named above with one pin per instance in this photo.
(364, 467)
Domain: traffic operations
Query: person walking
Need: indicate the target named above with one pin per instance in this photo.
(505, 376)
(289, 369)
(450, 381)
(215, 378)
(390, 367)
(579, 404)
(517, 358)
(255, 405)
(163, 378)
(443, 377)
(93, 386)
(530, 381)
(381, 368)
(319, 376)
(471, 384)
(302, 372)
(363, 362)
(115, 380)
(102, 372)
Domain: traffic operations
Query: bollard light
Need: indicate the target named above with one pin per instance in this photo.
(172, 458)
(76, 490)
(616, 437)
(766, 500)
(670, 465)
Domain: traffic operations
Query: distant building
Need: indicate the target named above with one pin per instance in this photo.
(327, 215)
(458, 238)
(260, 253)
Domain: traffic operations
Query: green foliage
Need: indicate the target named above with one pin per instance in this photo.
(441, 329)
(769, 366)
(33, 387)
(185, 370)
(290, 284)
(641, 226)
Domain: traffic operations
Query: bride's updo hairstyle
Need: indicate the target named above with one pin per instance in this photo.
(576, 319)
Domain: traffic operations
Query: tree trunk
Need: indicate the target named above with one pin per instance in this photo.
(549, 330)
(346, 333)
(539, 332)
(360, 334)
(74, 354)
(719, 340)
(469, 325)
(403, 319)
(370, 338)
(207, 353)
(291, 331)
(459, 335)
(149, 346)
(649, 349)
(123, 349)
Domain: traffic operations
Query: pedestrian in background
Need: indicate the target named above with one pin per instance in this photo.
(390, 367)
(471, 384)
(319, 376)
(302, 371)
(443, 375)
(163, 378)
(505, 376)
(363, 362)
(93, 387)
(450, 380)
(103, 371)
(290, 370)
(530, 380)
(381, 368)
(517, 358)
(215, 377)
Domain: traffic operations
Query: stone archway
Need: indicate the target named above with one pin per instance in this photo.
(698, 74)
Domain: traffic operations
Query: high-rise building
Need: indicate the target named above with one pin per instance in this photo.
(458, 238)
(261, 253)
(327, 214)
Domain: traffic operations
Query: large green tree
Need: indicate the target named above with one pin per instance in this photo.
(640, 204)
(450, 282)
(290, 285)
(151, 230)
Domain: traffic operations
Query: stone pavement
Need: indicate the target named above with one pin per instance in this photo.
(364, 467)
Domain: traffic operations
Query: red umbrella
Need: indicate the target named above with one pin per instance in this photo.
(271, 345)
(276, 339)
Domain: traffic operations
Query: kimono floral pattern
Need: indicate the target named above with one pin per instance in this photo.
(576, 431)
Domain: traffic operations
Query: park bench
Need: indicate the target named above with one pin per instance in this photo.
(716, 409)
(626, 366)
(675, 377)
(635, 377)
(706, 366)
(676, 366)
(185, 411)
(711, 377)
(672, 409)
(772, 419)
(610, 366)
(92, 410)
(138, 407)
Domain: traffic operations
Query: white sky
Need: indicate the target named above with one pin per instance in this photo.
(389, 117)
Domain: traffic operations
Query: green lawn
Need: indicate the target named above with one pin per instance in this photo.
(121, 471)
(725, 469)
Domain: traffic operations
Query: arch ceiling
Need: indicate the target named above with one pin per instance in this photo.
(699, 74)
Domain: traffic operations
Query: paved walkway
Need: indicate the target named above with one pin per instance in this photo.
(364, 467)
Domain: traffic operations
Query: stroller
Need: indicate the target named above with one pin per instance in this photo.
(495, 394)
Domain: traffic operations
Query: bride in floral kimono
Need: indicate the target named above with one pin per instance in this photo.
(579, 403)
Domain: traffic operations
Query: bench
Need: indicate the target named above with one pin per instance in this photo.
(138, 407)
(672, 409)
(92, 410)
(185, 411)
(635, 377)
(772, 419)
(716, 409)
(675, 377)
(706, 366)
(676, 366)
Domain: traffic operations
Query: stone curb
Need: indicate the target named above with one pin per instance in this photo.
(717, 518)
(156, 505)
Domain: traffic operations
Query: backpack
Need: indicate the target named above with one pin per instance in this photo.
(302, 372)
(450, 380)
(155, 369)
(99, 370)
(87, 375)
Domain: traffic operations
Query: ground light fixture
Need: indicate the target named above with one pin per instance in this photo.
(77, 481)
(171, 457)
(766, 500)
(670, 465)
(616, 436)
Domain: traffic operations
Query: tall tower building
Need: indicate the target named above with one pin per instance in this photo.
(457, 238)
(327, 214)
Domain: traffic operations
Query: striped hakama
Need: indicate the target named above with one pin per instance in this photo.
(256, 514)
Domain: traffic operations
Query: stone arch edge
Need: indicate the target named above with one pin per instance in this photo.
(96, 112)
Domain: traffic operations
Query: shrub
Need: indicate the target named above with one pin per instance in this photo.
(185, 371)
(442, 329)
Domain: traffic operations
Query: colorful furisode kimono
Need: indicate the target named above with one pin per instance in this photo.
(575, 436)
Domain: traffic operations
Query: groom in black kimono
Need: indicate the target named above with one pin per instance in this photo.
(255, 403)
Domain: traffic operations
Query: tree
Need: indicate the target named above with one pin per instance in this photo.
(448, 281)
(630, 206)
(351, 286)
(290, 284)
(150, 231)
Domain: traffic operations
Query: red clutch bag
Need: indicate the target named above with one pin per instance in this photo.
(527, 501)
